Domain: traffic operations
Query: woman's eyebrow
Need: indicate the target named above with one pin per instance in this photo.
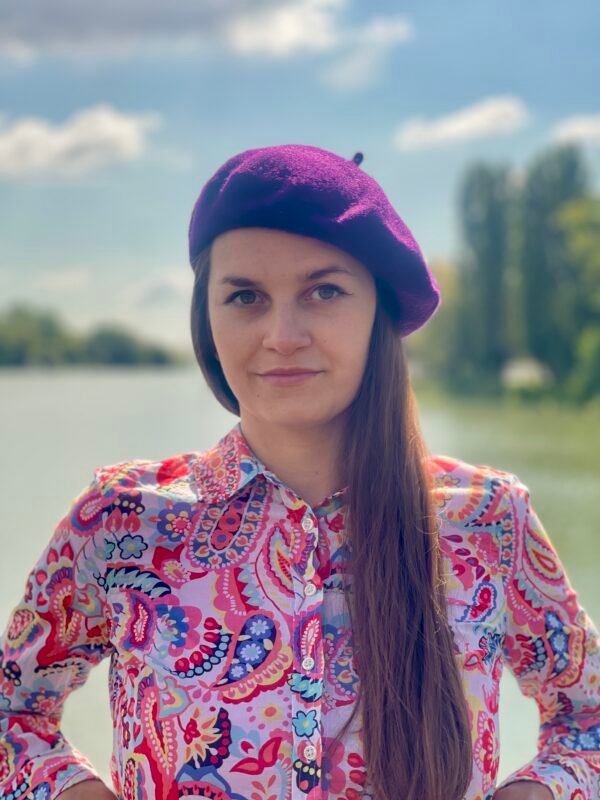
(236, 280)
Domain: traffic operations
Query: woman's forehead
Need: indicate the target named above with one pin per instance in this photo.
(272, 252)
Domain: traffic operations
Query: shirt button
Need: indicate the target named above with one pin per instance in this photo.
(308, 662)
(310, 752)
(308, 524)
(310, 589)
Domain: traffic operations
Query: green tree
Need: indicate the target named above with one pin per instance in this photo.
(579, 222)
(432, 346)
(30, 336)
(110, 345)
(548, 279)
(479, 328)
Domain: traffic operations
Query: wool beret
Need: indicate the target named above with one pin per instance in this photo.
(307, 190)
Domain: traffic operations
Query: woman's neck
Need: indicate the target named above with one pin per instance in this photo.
(304, 459)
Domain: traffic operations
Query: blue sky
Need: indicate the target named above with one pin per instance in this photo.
(113, 117)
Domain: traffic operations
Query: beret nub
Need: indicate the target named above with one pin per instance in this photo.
(307, 190)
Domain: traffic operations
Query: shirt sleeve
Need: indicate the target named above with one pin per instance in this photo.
(552, 648)
(53, 637)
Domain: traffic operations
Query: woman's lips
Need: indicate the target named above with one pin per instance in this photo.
(288, 380)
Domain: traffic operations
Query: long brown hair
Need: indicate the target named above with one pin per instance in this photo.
(416, 728)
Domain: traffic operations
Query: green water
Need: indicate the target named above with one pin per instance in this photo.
(57, 426)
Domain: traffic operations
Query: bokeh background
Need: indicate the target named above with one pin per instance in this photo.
(481, 122)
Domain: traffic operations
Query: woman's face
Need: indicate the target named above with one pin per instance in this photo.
(265, 313)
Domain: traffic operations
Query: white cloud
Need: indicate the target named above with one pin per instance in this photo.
(157, 305)
(368, 49)
(304, 25)
(354, 71)
(583, 129)
(89, 139)
(313, 26)
(257, 29)
(384, 31)
(31, 28)
(167, 287)
(492, 116)
(20, 53)
(62, 281)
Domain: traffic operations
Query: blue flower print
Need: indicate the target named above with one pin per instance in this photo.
(105, 551)
(174, 523)
(252, 653)
(582, 740)
(259, 627)
(132, 546)
(173, 623)
(304, 724)
(42, 792)
(559, 640)
(42, 701)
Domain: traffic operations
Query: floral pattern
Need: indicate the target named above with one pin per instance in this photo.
(217, 593)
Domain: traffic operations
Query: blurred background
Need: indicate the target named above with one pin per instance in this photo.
(482, 124)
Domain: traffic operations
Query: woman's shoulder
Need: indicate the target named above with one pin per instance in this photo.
(478, 505)
(146, 473)
(471, 484)
(452, 470)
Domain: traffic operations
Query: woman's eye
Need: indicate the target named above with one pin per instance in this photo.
(329, 286)
(238, 294)
(246, 292)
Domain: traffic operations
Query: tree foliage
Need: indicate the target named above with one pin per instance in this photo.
(31, 336)
(526, 284)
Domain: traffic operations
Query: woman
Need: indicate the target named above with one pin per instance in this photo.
(315, 607)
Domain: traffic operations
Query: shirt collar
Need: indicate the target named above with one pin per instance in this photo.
(227, 467)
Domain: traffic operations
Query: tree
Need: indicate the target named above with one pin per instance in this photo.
(579, 222)
(547, 275)
(480, 345)
(31, 336)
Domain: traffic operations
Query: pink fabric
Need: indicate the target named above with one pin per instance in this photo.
(216, 593)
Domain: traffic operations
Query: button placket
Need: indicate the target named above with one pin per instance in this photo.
(308, 524)
(310, 752)
(308, 663)
(306, 752)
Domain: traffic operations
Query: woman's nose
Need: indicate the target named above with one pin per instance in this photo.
(285, 329)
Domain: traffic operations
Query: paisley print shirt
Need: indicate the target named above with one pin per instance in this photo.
(216, 592)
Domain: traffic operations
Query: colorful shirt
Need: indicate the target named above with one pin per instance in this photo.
(216, 592)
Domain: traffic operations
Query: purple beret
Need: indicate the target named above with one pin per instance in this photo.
(307, 190)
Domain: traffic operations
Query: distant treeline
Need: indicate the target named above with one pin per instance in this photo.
(31, 336)
(525, 289)
(526, 285)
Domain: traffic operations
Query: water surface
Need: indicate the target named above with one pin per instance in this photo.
(56, 426)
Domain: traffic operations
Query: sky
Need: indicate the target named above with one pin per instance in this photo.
(113, 115)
